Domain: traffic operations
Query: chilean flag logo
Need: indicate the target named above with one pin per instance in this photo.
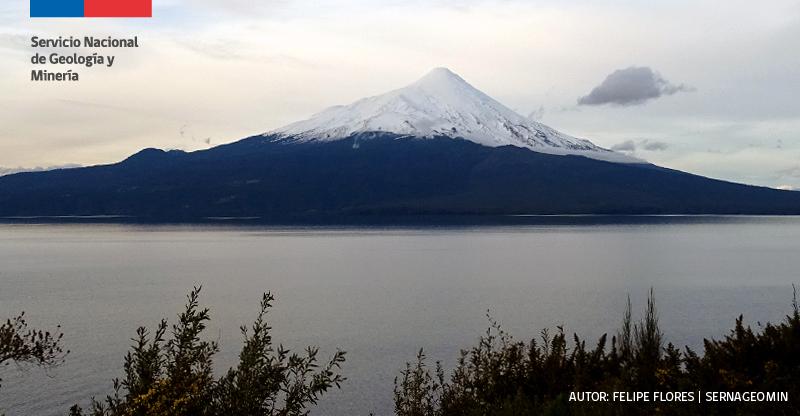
(91, 8)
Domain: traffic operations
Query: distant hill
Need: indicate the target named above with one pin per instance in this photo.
(373, 174)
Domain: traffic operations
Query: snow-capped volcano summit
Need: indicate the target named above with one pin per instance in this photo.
(437, 149)
(442, 104)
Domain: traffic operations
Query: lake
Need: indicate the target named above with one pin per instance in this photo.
(380, 293)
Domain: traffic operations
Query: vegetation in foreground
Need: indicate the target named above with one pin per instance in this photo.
(22, 345)
(169, 371)
(502, 376)
(173, 376)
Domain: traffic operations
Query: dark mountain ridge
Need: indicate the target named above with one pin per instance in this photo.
(373, 174)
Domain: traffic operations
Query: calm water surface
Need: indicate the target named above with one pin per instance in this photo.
(379, 294)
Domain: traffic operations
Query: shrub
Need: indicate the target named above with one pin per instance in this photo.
(502, 376)
(22, 345)
(174, 376)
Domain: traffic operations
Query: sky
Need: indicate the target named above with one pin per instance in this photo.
(708, 87)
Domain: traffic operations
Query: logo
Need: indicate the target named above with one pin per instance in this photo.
(91, 8)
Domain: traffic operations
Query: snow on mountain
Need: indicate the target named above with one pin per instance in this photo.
(442, 104)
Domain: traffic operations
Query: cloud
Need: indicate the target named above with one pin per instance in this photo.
(631, 86)
(9, 171)
(654, 146)
(786, 187)
(630, 146)
(626, 146)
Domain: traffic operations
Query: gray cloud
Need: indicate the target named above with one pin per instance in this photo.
(654, 146)
(626, 146)
(631, 146)
(631, 86)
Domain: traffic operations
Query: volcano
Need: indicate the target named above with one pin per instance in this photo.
(437, 147)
